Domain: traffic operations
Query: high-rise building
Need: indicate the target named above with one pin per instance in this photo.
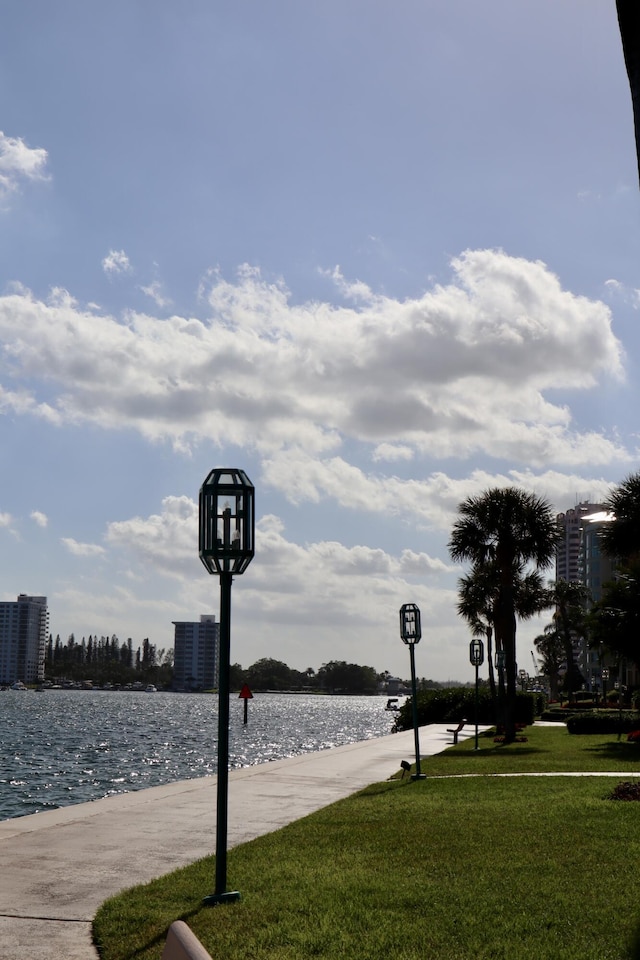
(23, 639)
(579, 558)
(195, 663)
(569, 546)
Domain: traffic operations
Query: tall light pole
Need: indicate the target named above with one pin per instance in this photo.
(476, 656)
(226, 541)
(411, 632)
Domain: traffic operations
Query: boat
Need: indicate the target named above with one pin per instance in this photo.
(18, 685)
(150, 688)
(392, 705)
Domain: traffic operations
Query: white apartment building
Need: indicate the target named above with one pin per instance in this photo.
(196, 658)
(24, 627)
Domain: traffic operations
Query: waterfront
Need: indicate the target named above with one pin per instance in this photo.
(62, 747)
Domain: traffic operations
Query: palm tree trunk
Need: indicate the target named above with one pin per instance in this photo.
(508, 621)
(492, 676)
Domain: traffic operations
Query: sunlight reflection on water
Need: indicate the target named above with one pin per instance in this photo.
(67, 746)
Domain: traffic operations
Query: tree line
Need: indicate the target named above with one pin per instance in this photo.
(107, 660)
(337, 676)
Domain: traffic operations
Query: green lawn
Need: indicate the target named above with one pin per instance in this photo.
(478, 867)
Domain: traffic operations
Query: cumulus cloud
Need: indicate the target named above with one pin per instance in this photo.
(19, 162)
(116, 262)
(5, 519)
(392, 451)
(82, 549)
(39, 518)
(466, 368)
(432, 501)
(292, 584)
(165, 541)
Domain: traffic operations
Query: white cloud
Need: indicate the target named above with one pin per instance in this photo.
(82, 549)
(5, 519)
(432, 501)
(392, 451)
(154, 291)
(116, 262)
(164, 541)
(19, 162)
(290, 584)
(39, 518)
(462, 370)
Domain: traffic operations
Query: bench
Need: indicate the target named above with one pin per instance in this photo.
(456, 731)
(182, 944)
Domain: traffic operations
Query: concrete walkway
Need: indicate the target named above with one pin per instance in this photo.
(58, 867)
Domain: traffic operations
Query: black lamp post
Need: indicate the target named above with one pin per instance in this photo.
(227, 524)
(476, 656)
(605, 676)
(411, 632)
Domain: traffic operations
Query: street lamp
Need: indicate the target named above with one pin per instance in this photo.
(410, 632)
(476, 656)
(605, 676)
(226, 542)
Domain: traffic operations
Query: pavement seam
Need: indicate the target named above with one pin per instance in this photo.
(31, 916)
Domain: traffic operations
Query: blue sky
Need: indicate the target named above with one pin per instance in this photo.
(381, 256)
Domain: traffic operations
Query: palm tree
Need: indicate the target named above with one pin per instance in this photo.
(550, 646)
(506, 529)
(620, 538)
(571, 599)
(478, 597)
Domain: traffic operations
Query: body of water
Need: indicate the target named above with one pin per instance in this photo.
(61, 747)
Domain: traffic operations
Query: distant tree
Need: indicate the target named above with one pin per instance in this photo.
(268, 674)
(614, 622)
(550, 645)
(236, 676)
(570, 620)
(340, 676)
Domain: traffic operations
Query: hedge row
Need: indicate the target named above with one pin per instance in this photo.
(455, 703)
(603, 722)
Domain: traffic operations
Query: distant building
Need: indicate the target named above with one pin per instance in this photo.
(580, 558)
(195, 663)
(24, 627)
(596, 569)
(568, 552)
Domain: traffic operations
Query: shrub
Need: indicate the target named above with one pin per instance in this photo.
(602, 722)
(628, 790)
(454, 703)
(557, 715)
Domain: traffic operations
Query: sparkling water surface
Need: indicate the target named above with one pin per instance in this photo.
(61, 747)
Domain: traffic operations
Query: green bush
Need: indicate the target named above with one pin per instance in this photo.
(557, 715)
(603, 722)
(455, 703)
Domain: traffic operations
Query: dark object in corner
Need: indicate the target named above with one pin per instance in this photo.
(629, 22)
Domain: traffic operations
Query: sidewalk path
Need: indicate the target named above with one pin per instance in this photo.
(58, 867)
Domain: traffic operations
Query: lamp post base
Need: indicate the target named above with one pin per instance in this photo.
(215, 898)
(418, 776)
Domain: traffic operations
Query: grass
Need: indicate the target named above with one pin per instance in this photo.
(547, 750)
(479, 867)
